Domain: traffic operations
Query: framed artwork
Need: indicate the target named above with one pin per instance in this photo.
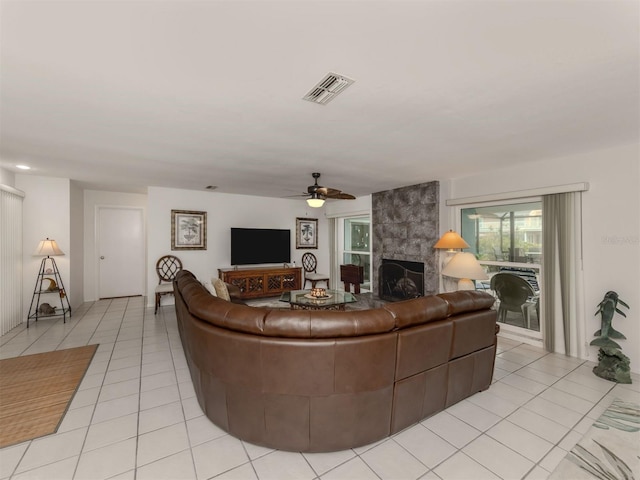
(188, 230)
(306, 233)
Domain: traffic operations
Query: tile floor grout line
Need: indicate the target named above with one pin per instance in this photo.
(135, 457)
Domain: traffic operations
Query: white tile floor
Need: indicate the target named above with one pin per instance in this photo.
(135, 415)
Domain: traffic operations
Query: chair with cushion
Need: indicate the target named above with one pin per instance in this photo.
(167, 268)
(515, 295)
(309, 265)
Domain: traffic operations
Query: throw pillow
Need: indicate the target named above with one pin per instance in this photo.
(221, 289)
(210, 288)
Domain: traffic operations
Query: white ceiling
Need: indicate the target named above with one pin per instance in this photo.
(121, 95)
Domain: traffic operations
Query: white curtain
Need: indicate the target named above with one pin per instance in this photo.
(10, 258)
(334, 272)
(563, 298)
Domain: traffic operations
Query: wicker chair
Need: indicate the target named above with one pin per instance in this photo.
(309, 265)
(167, 268)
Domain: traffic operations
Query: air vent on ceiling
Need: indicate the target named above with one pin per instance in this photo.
(328, 88)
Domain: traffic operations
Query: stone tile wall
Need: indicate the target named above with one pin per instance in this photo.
(405, 226)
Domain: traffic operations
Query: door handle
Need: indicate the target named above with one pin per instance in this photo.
(102, 257)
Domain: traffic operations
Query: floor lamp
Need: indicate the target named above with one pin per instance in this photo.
(48, 248)
(452, 242)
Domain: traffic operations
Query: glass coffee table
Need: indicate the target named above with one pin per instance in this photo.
(302, 300)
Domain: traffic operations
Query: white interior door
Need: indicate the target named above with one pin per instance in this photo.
(121, 252)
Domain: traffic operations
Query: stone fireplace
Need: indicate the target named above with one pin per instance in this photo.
(405, 227)
(400, 280)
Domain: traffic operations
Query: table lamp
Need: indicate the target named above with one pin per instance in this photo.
(466, 268)
(47, 248)
(451, 241)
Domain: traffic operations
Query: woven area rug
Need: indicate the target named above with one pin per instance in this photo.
(35, 391)
(609, 450)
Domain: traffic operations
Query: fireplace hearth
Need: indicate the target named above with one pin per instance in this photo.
(400, 280)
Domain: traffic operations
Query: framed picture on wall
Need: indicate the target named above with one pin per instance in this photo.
(188, 230)
(306, 233)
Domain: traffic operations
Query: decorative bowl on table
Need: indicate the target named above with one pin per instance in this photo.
(318, 292)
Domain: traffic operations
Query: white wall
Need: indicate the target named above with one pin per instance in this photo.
(92, 200)
(344, 208)
(611, 226)
(223, 212)
(46, 210)
(76, 249)
(7, 178)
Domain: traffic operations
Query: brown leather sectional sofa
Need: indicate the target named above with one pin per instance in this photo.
(317, 381)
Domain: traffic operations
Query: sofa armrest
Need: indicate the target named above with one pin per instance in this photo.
(235, 294)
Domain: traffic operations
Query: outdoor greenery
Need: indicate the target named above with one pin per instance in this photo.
(511, 233)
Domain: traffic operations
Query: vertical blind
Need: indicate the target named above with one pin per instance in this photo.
(563, 301)
(10, 258)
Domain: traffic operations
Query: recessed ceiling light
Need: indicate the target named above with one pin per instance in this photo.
(23, 167)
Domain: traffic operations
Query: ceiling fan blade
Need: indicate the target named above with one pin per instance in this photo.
(326, 191)
(342, 196)
(318, 191)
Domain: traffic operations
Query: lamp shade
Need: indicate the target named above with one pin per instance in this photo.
(48, 248)
(315, 201)
(451, 240)
(465, 266)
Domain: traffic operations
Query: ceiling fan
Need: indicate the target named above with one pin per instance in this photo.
(318, 194)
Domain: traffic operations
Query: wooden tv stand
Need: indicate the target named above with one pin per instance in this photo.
(263, 281)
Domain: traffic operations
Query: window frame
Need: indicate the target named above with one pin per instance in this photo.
(342, 250)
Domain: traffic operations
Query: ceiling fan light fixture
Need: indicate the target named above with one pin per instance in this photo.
(315, 201)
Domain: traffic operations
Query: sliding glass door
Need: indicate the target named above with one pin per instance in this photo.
(507, 239)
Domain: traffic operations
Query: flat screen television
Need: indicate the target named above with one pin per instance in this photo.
(252, 246)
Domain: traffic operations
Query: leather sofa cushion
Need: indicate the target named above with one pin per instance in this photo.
(233, 316)
(466, 301)
(417, 311)
(472, 331)
(423, 347)
(327, 323)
